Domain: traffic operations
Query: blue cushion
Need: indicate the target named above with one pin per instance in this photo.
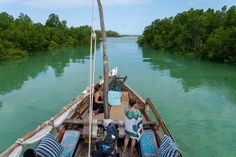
(48, 147)
(168, 148)
(69, 142)
(148, 144)
(114, 98)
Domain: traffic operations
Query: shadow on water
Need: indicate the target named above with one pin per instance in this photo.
(14, 73)
(191, 72)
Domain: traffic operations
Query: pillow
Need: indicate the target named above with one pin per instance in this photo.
(114, 98)
(48, 147)
(168, 148)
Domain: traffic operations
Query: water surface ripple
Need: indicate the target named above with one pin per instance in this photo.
(197, 99)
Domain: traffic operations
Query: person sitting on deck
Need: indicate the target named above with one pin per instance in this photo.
(98, 104)
(133, 125)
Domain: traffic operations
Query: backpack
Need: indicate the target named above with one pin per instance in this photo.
(106, 147)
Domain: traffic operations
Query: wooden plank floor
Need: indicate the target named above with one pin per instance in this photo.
(82, 151)
(116, 112)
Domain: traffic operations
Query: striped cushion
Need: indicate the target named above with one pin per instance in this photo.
(48, 147)
(168, 148)
(148, 144)
(69, 142)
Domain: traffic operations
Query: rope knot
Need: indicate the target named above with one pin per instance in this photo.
(50, 122)
(20, 141)
(94, 35)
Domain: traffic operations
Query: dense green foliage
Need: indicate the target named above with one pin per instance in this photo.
(20, 37)
(112, 33)
(109, 33)
(207, 34)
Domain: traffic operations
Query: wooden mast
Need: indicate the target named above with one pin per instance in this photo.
(105, 61)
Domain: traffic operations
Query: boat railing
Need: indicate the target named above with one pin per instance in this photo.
(46, 127)
(161, 126)
(150, 113)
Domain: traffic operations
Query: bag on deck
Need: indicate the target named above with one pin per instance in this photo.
(106, 147)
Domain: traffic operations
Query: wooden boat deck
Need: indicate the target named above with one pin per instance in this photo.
(116, 112)
(79, 120)
(82, 150)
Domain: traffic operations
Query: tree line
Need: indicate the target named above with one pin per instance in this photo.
(209, 34)
(20, 37)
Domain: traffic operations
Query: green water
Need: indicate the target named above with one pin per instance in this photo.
(197, 99)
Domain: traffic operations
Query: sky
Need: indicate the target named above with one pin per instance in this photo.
(123, 16)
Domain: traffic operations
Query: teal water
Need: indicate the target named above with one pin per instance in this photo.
(197, 99)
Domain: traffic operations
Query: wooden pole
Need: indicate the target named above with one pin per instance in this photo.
(105, 61)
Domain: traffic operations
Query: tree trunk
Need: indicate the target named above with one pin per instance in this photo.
(105, 61)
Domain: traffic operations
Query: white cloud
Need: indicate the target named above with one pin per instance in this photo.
(76, 3)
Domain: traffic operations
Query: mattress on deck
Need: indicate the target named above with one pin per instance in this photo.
(148, 144)
(69, 142)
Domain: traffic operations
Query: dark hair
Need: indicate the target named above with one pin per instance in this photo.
(97, 87)
(29, 153)
(132, 102)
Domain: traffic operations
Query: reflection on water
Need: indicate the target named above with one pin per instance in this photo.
(15, 73)
(192, 73)
(34, 89)
(197, 99)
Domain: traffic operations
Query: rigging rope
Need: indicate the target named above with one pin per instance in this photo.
(92, 73)
(16, 149)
